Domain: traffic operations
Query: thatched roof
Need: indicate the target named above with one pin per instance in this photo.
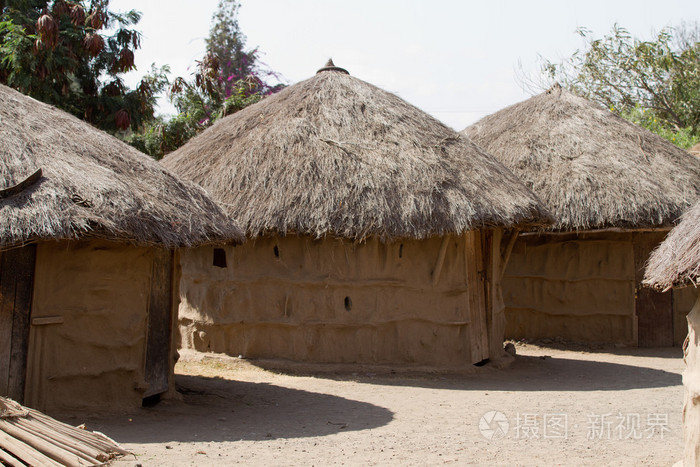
(676, 261)
(91, 184)
(334, 155)
(591, 168)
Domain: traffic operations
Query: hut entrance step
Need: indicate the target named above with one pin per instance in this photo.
(16, 285)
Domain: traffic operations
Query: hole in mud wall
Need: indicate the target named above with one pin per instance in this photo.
(348, 304)
(150, 401)
(401, 250)
(482, 363)
(277, 251)
(219, 258)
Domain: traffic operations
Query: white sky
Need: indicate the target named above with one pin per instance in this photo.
(456, 60)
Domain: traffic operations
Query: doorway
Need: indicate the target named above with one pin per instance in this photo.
(16, 288)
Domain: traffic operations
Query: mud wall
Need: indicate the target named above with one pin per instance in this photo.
(683, 302)
(691, 383)
(330, 300)
(88, 331)
(580, 288)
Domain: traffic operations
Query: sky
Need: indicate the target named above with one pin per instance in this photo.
(457, 60)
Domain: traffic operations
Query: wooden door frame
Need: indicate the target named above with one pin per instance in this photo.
(157, 352)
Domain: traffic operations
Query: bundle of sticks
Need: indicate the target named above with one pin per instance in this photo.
(29, 437)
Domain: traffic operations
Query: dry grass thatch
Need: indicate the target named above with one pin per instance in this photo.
(676, 261)
(91, 184)
(334, 155)
(591, 168)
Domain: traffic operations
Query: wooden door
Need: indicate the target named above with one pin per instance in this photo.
(475, 273)
(157, 367)
(16, 287)
(654, 310)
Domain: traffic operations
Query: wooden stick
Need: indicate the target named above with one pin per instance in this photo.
(509, 249)
(26, 453)
(8, 459)
(64, 442)
(440, 259)
(27, 182)
(39, 444)
(100, 442)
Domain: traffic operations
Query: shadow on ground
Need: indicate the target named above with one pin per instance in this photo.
(526, 373)
(216, 409)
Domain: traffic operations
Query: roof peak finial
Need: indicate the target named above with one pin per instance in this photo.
(330, 66)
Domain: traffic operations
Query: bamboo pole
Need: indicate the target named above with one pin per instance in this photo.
(24, 452)
(66, 443)
(47, 448)
(98, 441)
(8, 459)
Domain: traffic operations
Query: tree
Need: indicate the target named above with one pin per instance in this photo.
(227, 79)
(60, 52)
(653, 83)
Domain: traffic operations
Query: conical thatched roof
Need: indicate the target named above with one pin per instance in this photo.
(591, 168)
(91, 184)
(676, 261)
(335, 155)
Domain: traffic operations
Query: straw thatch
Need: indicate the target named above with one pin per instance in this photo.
(91, 184)
(336, 155)
(676, 261)
(28, 437)
(591, 168)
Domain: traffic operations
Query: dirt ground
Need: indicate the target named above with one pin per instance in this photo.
(552, 406)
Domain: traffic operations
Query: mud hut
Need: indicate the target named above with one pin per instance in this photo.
(615, 190)
(88, 278)
(374, 232)
(676, 263)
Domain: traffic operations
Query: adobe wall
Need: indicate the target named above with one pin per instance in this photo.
(580, 288)
(333, 300)
(94, 295)
(691, 383)
(683, 302)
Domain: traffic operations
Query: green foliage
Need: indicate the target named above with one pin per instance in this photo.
(226, 80)
(683, 138)
(60, 52)
(653, 83)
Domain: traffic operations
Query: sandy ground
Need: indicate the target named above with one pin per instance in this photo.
(551, 407)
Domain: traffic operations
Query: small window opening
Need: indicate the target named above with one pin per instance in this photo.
(348, 304)
(401, 250)
(219, 257)
(277, 251)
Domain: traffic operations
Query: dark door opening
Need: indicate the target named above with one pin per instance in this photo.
(16, 287)
(654, 309)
